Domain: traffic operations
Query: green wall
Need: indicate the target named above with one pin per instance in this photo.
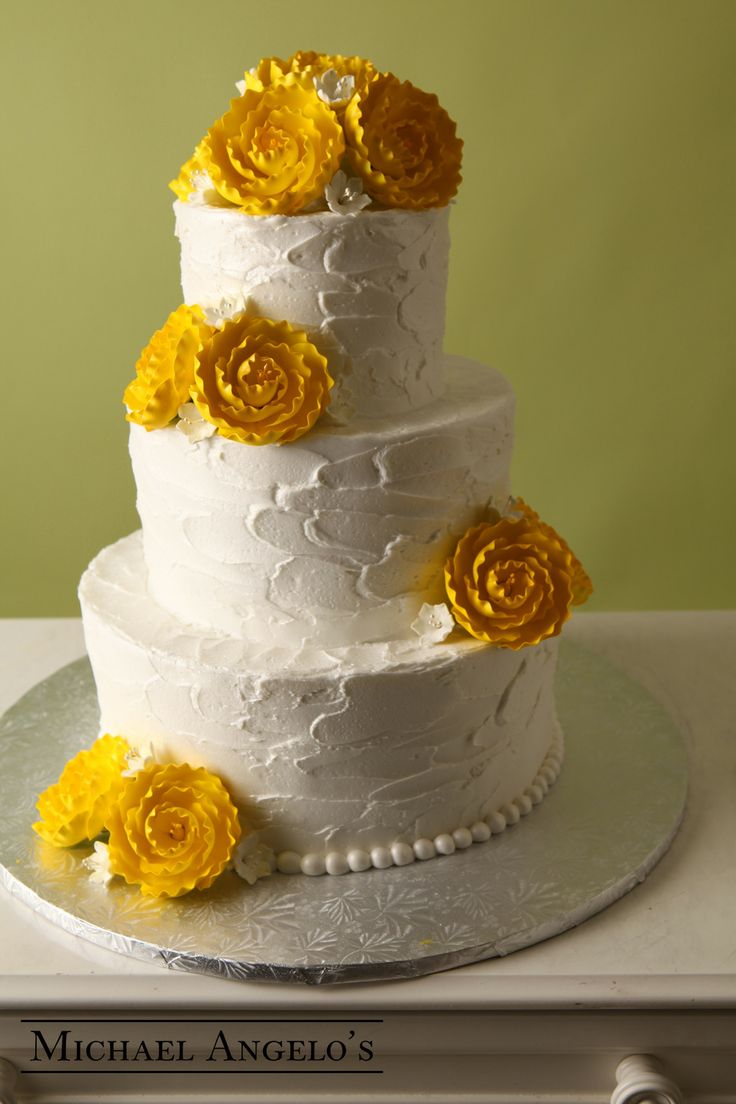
(594, 256)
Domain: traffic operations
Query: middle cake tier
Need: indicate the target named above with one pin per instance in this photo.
(334, 539)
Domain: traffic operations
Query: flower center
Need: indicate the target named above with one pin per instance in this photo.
(412, 141)
(509, 584)
(259, 380)
(268, 139)
(177, 831)
(261, 370)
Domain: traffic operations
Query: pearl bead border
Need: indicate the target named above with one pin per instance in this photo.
(356, 860)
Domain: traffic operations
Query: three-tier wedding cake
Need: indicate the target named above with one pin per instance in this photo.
(334, 610)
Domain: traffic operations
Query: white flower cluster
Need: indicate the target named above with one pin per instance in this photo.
(253, 860)
(433, 623)
(345, 195)
(193, 425)
(333, 89)
(138, 759)
(98, 864)
(203, 190)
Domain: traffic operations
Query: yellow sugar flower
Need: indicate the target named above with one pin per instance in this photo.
(313, 62)
(303, 67)
(403, 144)
(348, 75)
(77, 807)
(165, 369)
(509, 582)
(173, 829)
(183, 185)
(268, 71)
(192, 178)
(582, 585)
(274, 151)
(261, 382)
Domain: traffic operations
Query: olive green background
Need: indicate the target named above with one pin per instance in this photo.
(594, 255)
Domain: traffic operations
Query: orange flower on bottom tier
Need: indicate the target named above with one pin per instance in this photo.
(509, 582)
(76, 807)
(173, 829)
(261, 382)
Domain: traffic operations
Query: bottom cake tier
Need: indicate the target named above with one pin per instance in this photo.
(363, 756)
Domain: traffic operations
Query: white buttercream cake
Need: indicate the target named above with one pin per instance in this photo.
(278, 619)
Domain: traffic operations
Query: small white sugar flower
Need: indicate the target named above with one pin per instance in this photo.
(253, 860)
(346, 196)
(98, 864)
(433, 623)
(193, 425)
(511, 508)
(138, 758)
(240, 85)
(203, 190)
(220, 313)
(333, 89)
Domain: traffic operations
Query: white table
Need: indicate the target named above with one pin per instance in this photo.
(655, 973)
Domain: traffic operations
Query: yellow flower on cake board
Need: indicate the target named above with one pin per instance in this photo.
(261, 382)
(165, 369)
(173, 829)
(77, 807)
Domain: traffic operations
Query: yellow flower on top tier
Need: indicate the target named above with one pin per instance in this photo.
(274, 151)
(77, 807)
(165, 370)
(403, 144)
(582, 584)
(304, 66)
(193, 184)
(261, 382)
(509, 582)
(173, 829)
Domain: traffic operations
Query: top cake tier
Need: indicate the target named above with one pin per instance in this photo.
(368, 288)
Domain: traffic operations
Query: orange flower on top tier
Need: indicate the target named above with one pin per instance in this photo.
(403, 144)
(274, 151)
(509, 582)
(261, 382)
(76, 807)
(165, 370)
(582, 584)
(173, 829)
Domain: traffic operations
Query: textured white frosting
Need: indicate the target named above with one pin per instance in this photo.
(369, 289)
(260, 625)
(338, 537)
(370, 747)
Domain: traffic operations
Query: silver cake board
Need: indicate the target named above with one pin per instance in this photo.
(610, 817)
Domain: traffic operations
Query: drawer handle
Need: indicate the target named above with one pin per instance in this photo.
(8, 1078)
(641, 1080)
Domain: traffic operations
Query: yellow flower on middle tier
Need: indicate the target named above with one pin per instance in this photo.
(173, 829)
(165, 369)
(274, 151)
(261, 382)
(77, 807)
(582, 584)
(509, 582)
